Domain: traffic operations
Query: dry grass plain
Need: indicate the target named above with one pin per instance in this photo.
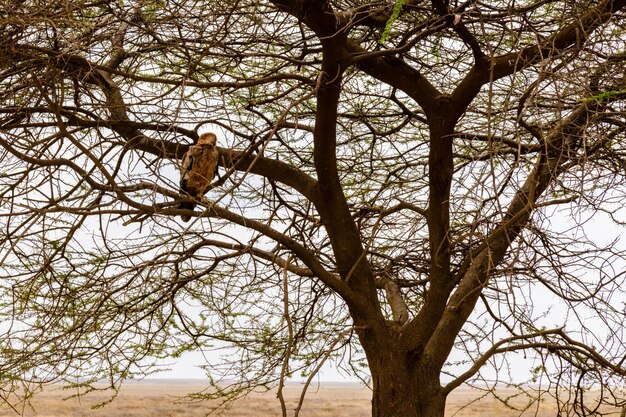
(163, 399)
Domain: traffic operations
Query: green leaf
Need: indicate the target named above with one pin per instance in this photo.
(604, 95)
(397, 8)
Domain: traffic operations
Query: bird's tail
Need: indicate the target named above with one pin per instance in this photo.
(186, 206)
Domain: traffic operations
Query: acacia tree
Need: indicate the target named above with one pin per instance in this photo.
(403, 187)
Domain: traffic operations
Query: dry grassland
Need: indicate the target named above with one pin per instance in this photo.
(163, 399)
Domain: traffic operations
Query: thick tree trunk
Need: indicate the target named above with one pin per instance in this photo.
(404, 385)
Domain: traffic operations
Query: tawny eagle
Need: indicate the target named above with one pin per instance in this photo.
(197, 170)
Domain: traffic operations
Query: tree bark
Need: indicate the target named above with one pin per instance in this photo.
(404, 384)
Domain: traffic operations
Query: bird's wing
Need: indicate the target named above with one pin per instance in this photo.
(187, 166)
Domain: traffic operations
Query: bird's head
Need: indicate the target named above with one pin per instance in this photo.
(207, 139)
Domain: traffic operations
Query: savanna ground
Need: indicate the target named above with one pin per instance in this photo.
(164, 399)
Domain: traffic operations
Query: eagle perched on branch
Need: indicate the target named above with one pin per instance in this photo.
(198, 169)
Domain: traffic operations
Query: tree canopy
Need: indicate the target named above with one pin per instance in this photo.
(407, 188)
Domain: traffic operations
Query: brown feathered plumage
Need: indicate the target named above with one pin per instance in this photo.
(197, 170)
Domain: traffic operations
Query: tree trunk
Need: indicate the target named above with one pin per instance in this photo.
(404, 385)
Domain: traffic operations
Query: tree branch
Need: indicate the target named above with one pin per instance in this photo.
(474, 272)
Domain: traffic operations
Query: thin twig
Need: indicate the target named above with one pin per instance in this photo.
(285, 367)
